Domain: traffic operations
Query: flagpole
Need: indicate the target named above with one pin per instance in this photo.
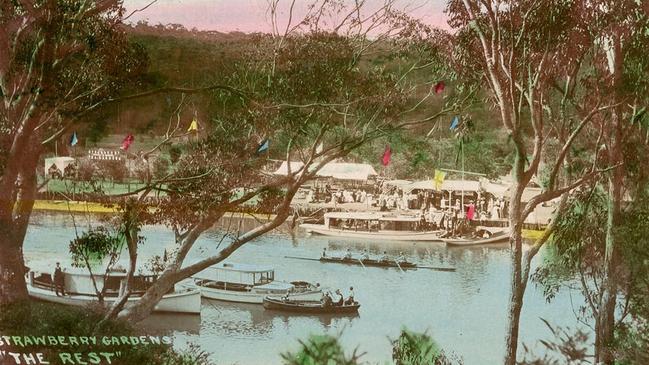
(462, 152)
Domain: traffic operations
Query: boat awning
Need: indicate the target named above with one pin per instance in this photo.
(244, 268)
(336, 170)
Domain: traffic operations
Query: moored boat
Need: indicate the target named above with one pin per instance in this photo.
(497, 237)
(249, 284)
(79, 290)
(373, 225)
(308, 306)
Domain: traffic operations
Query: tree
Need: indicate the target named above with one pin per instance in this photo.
(93, 247)
(523, 50)
(59, 61)
(304, 90)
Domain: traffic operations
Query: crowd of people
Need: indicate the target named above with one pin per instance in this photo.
(431, 203)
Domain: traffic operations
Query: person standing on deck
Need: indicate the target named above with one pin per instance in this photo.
(59, 280)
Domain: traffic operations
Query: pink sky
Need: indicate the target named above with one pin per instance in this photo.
(251, 15)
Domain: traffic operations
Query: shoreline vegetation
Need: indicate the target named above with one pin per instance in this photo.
(98, 208)
(68, 332)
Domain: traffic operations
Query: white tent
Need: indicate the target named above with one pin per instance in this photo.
(336, 170)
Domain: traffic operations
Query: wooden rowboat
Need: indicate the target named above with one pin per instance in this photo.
(308, 307)
(370, 262)
(499, 237)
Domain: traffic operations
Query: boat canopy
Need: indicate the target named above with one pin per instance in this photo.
(373, 216)
(238, 273)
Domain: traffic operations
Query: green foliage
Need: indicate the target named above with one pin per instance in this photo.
(97, 243)
(320, 350)
(58, 320)
(414, 349)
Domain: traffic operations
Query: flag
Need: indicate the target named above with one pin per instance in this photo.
(126, 143)
(439, 179)
(387, 155)
(455, 122)
(193, 126)
(74, 140)
(263, 146)
(439, 87)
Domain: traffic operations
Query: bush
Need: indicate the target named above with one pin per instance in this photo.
(56, 320)
(320, 350)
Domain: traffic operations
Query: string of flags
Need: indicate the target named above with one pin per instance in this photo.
(439, 87)
(193, 126)
(263, 146)
(126, 143)
(439, 179)
(455, 122)
(73, 139)
(387, 155)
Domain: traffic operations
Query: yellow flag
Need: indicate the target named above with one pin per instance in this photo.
(439, 179)
(193, 126)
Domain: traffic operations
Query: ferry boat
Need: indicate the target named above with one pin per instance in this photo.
(250, 284)
(79, 290)
(373, 225)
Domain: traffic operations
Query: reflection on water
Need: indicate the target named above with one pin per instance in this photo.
(464, 311)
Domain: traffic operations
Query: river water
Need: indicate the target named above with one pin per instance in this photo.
(464, 311)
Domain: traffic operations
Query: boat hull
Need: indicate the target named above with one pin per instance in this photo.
(379, 235)
(188, 301)
(252, 297)
(370, 263)
(308, 307)
(500, 238)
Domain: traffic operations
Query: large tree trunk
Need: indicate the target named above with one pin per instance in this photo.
(518, 281)
(13, 287)
(605, 329)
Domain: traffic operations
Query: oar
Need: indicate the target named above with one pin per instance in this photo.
(399, 266)
(301, 258)
(362, 264)
(437, 268)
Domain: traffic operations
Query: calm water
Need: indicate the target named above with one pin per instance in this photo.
(464, 311)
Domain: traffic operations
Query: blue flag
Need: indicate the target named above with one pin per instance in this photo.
(263, 147)
(74, 140)
(455, 122)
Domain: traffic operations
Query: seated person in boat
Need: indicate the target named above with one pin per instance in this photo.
(340, 300)
(365, 256)
(385, 256)
(350, 299)
(326, 300)
(401, 257)
(348, 255)
(59, 280)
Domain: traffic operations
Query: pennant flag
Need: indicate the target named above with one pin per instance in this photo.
(439, 179)
(387, 155)
(126, 143)
(74, 140)
(193, 126)
(455, 122)
(439, 87)
(320, 148)
(263, 147)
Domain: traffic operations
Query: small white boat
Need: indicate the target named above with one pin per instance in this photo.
(495, 237)
(250, 284)
(373, 225)
(79, 290)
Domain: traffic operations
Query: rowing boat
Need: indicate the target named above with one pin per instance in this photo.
(370, 262)
(499, 237)
(308, 306)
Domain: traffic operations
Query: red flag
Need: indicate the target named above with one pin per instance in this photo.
(386, 155)
(439, 87)
(126, 143)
